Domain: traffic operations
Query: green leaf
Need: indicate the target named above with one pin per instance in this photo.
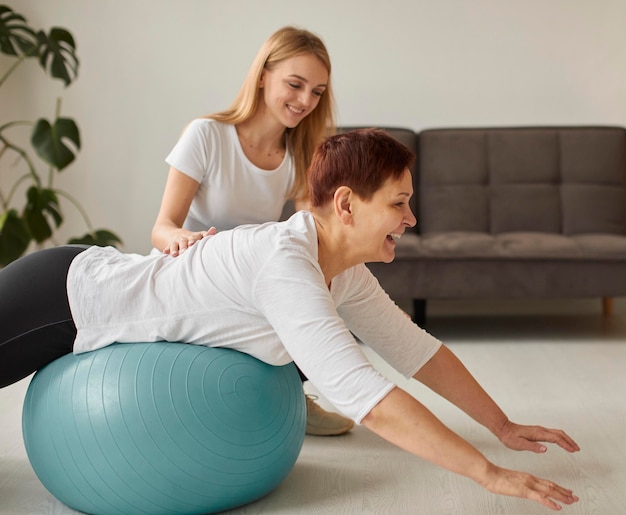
(41, 208)
(57, 54)
(14, 237)
(16, 38)
(48, 141)
(100, 237)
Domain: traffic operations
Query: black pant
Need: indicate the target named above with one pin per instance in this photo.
(36, 325)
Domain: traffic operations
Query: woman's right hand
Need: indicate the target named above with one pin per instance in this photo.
(520, 484)
(183, 239)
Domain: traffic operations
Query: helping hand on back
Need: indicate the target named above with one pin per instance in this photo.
(185, 239)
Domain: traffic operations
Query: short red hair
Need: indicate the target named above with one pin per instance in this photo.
(362, 159)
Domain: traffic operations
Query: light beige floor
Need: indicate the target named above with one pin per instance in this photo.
(565, 371)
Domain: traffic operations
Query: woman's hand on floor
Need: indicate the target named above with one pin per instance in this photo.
(520, 484)
(528, 438)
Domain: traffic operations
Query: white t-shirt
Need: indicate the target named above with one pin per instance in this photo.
(258, 289)
(232, 191)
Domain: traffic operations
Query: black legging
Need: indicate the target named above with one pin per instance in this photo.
(36, 325)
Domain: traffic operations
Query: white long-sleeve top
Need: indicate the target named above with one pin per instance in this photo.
(257, 289)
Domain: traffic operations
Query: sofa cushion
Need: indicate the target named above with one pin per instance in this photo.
(524, 207)
(511, 246)
(594, 172)
(554, 180)
(453, 190)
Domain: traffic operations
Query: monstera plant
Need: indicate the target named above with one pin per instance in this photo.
(38, 214)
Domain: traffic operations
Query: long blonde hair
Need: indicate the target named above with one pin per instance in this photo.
(302, 140)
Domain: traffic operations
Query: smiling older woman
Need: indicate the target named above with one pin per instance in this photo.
(282, 291)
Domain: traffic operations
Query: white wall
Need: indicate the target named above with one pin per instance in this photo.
(148, 67)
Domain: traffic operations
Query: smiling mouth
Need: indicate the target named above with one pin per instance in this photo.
(394, 236)
(294, 110)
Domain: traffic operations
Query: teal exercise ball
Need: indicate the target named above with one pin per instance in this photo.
(162, 428)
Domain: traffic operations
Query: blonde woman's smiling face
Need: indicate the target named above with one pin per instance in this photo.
(292, 89)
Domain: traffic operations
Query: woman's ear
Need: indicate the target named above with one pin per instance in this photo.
(342, 203)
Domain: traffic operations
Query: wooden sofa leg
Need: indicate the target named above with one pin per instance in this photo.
(419, 312)
(607, 306)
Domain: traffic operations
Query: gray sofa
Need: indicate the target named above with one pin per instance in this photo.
(512, 213)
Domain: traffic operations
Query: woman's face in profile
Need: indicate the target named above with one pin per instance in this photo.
(381, 220)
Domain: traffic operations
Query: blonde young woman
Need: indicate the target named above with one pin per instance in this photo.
(241, 165)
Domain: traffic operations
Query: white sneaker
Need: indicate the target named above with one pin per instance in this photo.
(320, 422)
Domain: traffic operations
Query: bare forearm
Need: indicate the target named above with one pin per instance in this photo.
(405, 422)
(167, 233)
(159, 235)
(448, 377)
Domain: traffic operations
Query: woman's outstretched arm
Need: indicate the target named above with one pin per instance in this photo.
(402, 420)
(447, 376)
